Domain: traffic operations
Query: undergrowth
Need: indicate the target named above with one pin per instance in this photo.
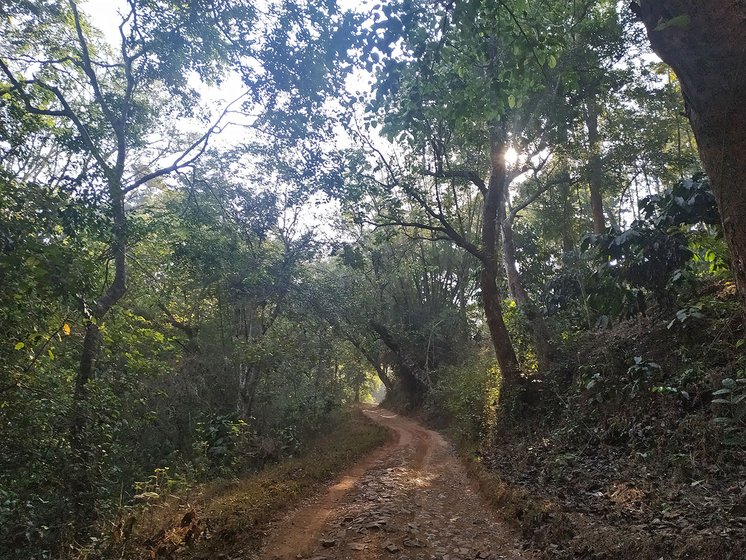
(227, 516)
(635, 450)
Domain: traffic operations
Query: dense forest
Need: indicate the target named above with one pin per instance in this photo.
(223, 223)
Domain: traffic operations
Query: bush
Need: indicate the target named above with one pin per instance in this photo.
(466, 396)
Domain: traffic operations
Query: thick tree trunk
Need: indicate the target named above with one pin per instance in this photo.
(412, 379)
(540, 332)
(491, 299)
(705, 44)
(595, 167)
(378, 366)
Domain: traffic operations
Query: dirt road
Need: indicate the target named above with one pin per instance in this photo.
(409, 500)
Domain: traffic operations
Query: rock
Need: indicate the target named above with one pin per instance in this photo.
(357, 546)
(413, 543)
(328, 543)
(391, 547)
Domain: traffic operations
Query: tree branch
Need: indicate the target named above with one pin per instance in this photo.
(531, 199)
(458, 174)
(188, 156)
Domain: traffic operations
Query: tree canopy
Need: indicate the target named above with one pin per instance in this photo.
(383, 196)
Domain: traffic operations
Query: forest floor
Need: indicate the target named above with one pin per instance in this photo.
(408, 500)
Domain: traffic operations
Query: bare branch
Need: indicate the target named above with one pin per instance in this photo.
(190, 154)
(531, 199)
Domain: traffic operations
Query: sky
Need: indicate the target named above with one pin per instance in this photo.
(105, 15)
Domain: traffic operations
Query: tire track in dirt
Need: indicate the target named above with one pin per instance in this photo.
(408, 500)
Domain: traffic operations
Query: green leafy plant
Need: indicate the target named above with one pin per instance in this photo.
(685, 315)
(732, 400)
(655, 251)
(641, 372)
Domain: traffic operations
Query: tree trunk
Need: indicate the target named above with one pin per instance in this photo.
(411, 375)
(111, 296)
(705, 44)
(595, 167)
(568, 243)
(491, 299)
(81, 485)
(248, 380)
(540, 333)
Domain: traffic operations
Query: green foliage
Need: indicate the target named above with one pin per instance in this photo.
(654, 252)
(466, 395)
(227, 327)
(219, 441)
(731, 405)
(641, 373)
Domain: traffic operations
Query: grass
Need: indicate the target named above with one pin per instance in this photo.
(227, 517)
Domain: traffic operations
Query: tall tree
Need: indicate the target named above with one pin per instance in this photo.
(705, 44)
(503, 55)
(121, 101)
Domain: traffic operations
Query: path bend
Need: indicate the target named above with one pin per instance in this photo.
(409, 500)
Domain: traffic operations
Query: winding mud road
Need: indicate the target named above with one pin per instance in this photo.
(408, 500)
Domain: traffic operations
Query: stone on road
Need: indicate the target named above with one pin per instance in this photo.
(410, 500)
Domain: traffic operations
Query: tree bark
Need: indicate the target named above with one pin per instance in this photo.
(540, 332)
(111, 296)
(705, 44)
(81, 486)
(595, 167)
(248, 381)
(410, 374)
(568, 243)
(491, 299)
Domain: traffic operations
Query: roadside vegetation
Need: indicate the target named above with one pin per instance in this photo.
(222, 224)
(229, 515)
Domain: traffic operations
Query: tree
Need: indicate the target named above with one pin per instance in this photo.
(402, 303)
(107, 98)
(118, 105)
(705, 44)
(503, 55)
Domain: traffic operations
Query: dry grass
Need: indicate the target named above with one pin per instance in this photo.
(224, 518)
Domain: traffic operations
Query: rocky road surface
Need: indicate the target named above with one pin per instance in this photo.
(408, 500)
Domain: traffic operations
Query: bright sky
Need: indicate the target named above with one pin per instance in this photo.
(105, 15)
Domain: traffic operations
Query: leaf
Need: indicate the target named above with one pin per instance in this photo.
(682, 20)
(20, 345)
(66, 329)
(51, 354)
(511, 101)
(552, 61)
